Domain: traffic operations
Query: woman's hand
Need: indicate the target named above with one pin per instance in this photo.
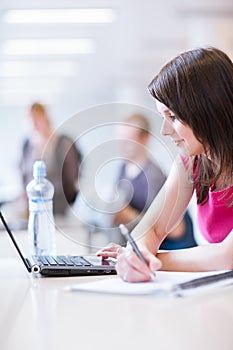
(130, 268)
(112, 250)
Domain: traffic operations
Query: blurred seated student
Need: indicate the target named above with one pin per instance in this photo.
(60, 154)
(140, 179)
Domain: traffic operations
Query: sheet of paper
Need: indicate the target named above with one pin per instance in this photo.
(164, 284)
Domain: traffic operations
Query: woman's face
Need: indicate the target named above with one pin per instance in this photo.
(38, 121)
(180, 133)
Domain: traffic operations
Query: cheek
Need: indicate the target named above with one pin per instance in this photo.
(183, 131)
(193, 145)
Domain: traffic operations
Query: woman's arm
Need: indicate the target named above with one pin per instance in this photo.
(215, 256)
(210, 257)
(161, 218)
(164, 214)
(166, 210)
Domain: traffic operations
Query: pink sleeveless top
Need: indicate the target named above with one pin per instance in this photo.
(214, 218)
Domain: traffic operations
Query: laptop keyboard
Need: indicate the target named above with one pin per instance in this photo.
(61, 260)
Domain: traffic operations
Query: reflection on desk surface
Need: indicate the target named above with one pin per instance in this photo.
(38, 313)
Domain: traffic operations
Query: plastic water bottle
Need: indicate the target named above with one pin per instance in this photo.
(41, 227)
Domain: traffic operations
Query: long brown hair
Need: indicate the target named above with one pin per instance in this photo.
(197, 86)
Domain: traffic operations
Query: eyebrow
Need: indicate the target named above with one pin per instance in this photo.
(165, 111)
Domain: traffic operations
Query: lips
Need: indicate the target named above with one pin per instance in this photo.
(178, 142)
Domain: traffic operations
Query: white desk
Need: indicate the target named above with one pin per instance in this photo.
(39, 314)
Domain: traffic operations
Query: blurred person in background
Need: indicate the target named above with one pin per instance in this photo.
(140, 179)
(60, 154)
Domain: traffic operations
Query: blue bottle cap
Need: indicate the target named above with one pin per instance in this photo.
(39, 169)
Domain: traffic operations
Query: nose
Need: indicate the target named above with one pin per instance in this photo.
(166, 129)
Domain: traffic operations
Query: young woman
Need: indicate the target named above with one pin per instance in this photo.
(194, 94)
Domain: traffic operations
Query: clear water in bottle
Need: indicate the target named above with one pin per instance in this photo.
(41, 226)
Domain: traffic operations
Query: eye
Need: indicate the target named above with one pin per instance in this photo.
(172, 117)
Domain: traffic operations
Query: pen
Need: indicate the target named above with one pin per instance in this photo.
(126, 234)
(202, 281)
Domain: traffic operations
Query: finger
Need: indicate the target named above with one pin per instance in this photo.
(112, 247)
(107, 254)
(135, 262)
(134, 276)
(120, 250)
(135, 268)
(128, 274)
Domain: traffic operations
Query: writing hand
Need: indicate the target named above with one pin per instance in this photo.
(130, 268)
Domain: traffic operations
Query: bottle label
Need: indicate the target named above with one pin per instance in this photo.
(40, 205)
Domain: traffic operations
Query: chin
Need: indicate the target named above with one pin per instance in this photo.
(190, 152)
(185, 152)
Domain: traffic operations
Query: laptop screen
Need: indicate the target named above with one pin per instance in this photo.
(14, 242)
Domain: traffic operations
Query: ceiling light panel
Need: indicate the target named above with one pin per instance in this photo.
(60, 16)
(13, 69)
(12, 84)
(48, 46)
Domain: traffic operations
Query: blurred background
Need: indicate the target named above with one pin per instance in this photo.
(77, 55)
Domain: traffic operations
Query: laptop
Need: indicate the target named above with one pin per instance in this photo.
(61, 265)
